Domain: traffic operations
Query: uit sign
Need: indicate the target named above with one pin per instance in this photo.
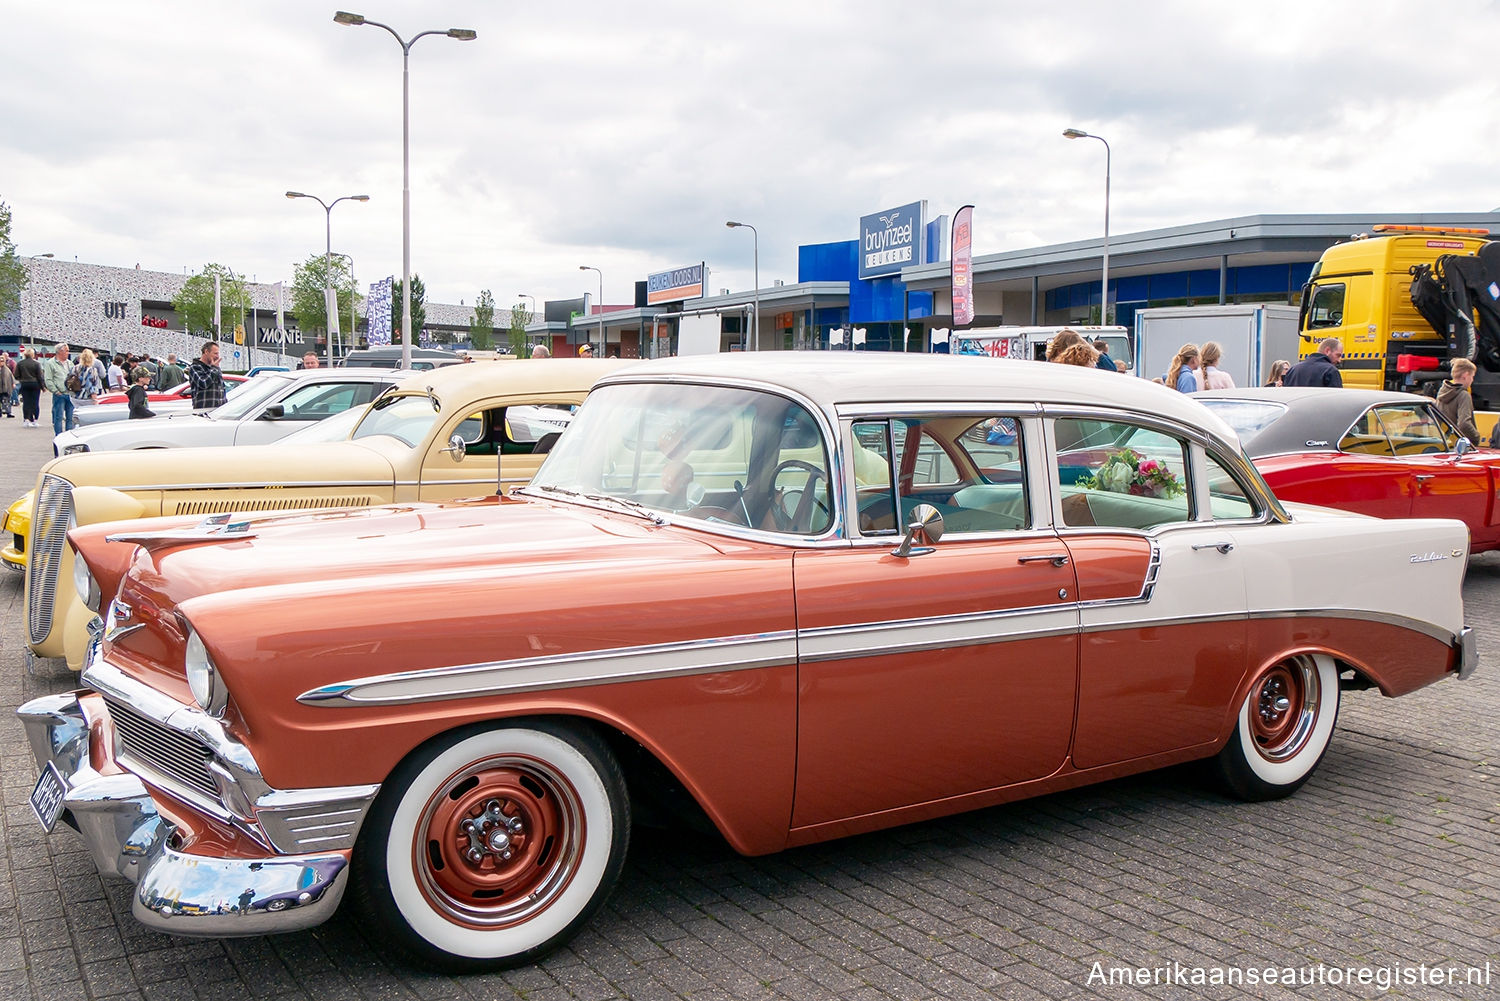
(892, 240)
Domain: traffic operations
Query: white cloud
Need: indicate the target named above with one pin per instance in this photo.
(624, 135)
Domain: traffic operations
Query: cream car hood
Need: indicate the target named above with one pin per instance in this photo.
(338, 463)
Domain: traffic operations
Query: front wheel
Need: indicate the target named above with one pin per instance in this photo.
(1283, 728)
(492, 847)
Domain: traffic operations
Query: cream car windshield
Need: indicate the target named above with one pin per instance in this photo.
(407, 418)
(718, 454)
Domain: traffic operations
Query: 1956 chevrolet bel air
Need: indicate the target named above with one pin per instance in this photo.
(738, 580)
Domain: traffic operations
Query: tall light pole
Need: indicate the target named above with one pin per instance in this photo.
(463, 35)
(602, 344)
(1104, 299)
(330, 302)
(532, 314)
(755, 323)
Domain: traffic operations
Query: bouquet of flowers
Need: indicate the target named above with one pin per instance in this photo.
(1128, 472)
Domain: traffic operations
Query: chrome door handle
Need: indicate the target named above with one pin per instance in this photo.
(1056, 559)
(1423, 477)
(1223, 547)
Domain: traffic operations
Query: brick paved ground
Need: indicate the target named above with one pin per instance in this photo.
(1390, 855)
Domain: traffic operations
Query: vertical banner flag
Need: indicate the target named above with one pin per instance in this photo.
(280, 316)
(331, 306)
(378, 312)
(963, 271)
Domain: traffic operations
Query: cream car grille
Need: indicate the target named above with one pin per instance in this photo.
(164, 750)
(189, 507)
(50, 521)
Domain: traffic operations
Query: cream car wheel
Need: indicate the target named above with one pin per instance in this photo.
(493, 847)
(1283, 729)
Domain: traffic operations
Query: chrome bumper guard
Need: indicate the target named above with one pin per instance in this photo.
(177, 893)
(1467, 646)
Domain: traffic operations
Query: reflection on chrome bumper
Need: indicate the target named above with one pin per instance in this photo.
(175, 892)
(1468, 652)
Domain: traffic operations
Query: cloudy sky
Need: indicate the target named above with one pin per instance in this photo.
(623, 135)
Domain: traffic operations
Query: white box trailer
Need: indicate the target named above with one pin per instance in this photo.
(1031, 342)
(1253, 335)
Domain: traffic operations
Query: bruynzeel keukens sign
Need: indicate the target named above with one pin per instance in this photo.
(675, 285)
(963, 271)
(892, 239)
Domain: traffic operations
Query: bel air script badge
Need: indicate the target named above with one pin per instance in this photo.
(1434, 557)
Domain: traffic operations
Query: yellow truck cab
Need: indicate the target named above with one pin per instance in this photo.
(1360, 291)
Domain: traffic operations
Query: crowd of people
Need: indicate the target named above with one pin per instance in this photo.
(71, 381)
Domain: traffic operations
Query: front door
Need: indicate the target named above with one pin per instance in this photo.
(946, 672)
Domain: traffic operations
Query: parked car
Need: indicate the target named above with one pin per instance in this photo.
(390, 357)
(730, 587)
(270, 407)
(111, 407)
(435, 437)
(1390, 455)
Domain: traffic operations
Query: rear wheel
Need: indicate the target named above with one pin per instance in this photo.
(1283, 729)
(492, 847)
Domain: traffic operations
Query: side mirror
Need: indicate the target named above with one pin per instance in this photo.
(1462, 448)
(274, 412)
(926, 522)
(457, 447)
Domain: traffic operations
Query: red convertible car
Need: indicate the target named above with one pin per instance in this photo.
(1391, 455)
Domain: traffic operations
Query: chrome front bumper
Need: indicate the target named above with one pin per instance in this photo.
(176, 892)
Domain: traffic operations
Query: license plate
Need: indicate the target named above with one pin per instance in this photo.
(47, 796)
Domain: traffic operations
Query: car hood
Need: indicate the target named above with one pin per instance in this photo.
(342, 463)
(407, 547)
(105, 435)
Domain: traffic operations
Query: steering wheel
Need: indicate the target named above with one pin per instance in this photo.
(798, 518)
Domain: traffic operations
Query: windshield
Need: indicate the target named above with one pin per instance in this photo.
(1248, 417)
(248, 397)
(724, 455)
(335, 428)
(405, 417)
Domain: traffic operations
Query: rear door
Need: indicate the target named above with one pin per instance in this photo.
(306, 404)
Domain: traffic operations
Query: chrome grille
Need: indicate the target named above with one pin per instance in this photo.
(163, 749)
(51, 517)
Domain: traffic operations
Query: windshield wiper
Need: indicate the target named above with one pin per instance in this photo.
(634, 507)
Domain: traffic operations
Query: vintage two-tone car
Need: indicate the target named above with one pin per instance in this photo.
(453, 432)
(1390, 455)
(801, 600)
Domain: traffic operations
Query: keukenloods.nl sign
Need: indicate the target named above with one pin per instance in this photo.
(671, 286)
(891, 240)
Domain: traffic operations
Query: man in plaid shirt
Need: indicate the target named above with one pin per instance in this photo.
(207, 381)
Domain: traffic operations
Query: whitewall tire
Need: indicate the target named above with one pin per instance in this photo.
(1283, 728)
(492, 846)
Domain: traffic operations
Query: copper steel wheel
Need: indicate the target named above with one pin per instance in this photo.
(1283, 728)
(492, 846)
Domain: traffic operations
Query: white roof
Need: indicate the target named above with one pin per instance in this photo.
(841, 378)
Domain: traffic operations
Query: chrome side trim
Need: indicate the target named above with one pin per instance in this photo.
(595, 667)
(251, 485)
(740, 653)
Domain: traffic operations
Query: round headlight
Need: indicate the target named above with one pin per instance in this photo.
(202, 679)
(85, 585)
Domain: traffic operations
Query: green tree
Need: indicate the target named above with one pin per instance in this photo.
(195, 302)
(307, 291)
(418, 308)
(13, 274)
(519, 318)
(482, 326)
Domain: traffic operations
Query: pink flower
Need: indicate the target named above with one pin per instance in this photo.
(1148, 467)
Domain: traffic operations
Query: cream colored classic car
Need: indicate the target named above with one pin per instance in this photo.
(441, 435)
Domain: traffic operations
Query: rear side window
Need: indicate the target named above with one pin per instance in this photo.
(1114, 474)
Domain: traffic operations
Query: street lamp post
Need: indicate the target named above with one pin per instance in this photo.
(602, 345)
(755, 322)
(331, 303)
(532, 314)
(463, 35)
(1104, 299)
